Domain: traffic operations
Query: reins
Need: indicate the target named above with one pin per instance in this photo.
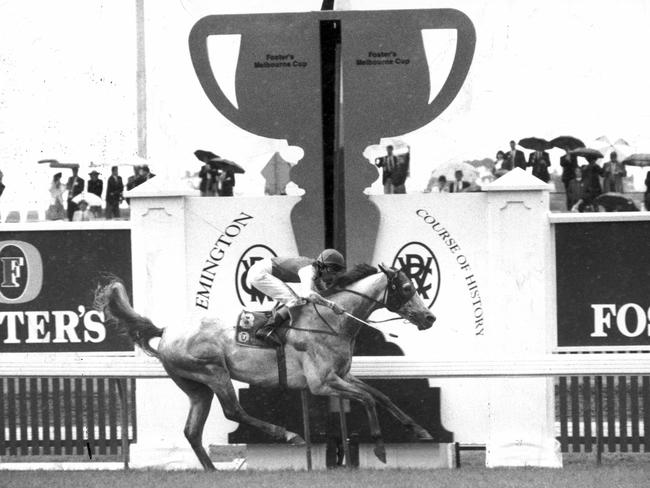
(382, 304)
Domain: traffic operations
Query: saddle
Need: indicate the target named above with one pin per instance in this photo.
(249, 322)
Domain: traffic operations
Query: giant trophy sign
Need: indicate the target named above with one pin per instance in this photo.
(385, 86)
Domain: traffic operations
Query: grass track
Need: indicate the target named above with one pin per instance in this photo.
(617, 475)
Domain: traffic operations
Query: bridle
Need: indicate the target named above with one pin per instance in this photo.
(394, 296)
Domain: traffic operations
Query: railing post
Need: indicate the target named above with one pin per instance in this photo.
(304, 396)
(599, 419)
(124, 411)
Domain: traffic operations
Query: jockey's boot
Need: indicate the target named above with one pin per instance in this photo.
(268, 332)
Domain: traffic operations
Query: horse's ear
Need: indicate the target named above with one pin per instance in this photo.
(384, 269)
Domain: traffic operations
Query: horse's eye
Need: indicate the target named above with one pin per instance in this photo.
(408, 288)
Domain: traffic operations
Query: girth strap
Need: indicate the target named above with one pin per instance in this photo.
(282, 366)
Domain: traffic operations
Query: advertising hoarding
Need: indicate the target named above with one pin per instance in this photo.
(47, 288)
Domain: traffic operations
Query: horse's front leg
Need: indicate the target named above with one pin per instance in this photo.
(419, 431)
(334, 385)
(220, 382)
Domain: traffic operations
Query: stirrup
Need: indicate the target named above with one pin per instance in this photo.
(268, 335)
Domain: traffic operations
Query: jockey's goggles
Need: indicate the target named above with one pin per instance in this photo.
(331, 268)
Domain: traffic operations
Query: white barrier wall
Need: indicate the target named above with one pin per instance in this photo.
(451, 231)
(482, 261)
(491, 256)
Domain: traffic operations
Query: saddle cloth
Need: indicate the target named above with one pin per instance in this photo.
(247, 324)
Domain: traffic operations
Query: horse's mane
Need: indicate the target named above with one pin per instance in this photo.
(355, 274)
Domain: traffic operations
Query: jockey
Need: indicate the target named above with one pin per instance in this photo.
(271, 275)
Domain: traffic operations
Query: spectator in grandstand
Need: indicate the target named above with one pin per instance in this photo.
(515, 157)
(437, 185)
(574, 191)
(614, 171)
(591, 175)
(56, 211)
(540, 161)
(208, 184)
(458, 185)
(95, 186)
(502, 165)
(114, 190)
(569, 163)
(74, 186)
(83, 214)
(145, 174)
(225, 182)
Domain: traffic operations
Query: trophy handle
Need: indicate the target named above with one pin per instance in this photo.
(198, 44)
(465, 45)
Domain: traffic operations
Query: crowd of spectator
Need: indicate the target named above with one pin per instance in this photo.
(87, 200)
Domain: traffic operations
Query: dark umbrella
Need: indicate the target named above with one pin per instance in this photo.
(586, 152)
(225, 165)
(567, 142)
(535, 143)
(637, 160)
(615, 202)
(55, 164)
(205, 156)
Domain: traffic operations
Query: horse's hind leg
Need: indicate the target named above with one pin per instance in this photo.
(221, 384)
(419, 431)
(200, 400)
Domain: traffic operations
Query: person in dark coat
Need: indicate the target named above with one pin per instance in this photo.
(114, 190)
(515, 157)
(95, 186)
(226, 182)
(401, 172)
(388, 164)
(75, 186)
(591, 174)
(540, 161)
(569, 163)
(458, 185)
(208, 185)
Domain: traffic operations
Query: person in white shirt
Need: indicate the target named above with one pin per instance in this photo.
(82, 214)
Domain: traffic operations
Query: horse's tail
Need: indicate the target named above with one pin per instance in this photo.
(113, 300)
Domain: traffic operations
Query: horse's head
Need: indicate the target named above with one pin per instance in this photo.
(402, 299)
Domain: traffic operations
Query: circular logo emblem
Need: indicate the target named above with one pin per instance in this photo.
(21, 272)
(250, 297)
(244, 337)
(419, 263)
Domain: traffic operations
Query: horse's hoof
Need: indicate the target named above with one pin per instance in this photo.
(380, 452)
(295, 439)
(422, 435)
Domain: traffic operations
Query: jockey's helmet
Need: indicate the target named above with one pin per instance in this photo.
(332, 259)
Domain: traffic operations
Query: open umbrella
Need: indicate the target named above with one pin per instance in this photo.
(90, 198)
(55, 164)
(535, 143)
(226, 165)
(204, 156)
(470, 173)
(586, 152)
(621, 147)
(638, 159)
(615, 202)
(567, 142)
